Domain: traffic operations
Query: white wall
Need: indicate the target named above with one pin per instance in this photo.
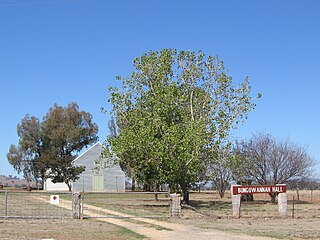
(50, 186)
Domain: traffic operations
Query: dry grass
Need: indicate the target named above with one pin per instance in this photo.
(29, 204)
(260, 208)
(138, 205)
(18, 229)
(259, 218)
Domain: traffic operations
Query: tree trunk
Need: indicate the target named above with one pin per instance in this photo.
(221, 193)
(185, 194)
(156, 189)
(298, 194)
(43, 179)
(247, 198)
(273, 197)
(133, 186)
(186, 199)
(42, 183)
(69, 186)
(146, 187)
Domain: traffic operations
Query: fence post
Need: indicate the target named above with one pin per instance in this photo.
(292, 206)
(77, 205)
(6, 204)
(175, 207)
(81, 204)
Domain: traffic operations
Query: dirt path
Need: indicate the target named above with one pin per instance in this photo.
(179, 231)
(160, 230)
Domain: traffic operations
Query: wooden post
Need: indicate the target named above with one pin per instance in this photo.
(282, 203)
(6, 204)
(77, 205)
(292, 206)
(236, 203)
(175, 207)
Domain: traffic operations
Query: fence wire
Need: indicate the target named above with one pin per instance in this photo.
(307, 206)
(14, 204)
(126, 205)
(300, 204)
(34, 205)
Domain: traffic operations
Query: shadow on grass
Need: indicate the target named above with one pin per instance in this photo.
(210, 205)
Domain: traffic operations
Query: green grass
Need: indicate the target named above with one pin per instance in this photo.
(128, 233)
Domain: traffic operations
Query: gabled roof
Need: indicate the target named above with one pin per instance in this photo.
(93, 146)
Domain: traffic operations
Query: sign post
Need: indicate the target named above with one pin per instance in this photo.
(238, 190)
(236, 203)
(282, 203)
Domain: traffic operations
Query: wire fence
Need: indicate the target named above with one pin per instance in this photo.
(302, 204)
(19, 204)
(36, 204)
(126, 205)
(40, 204)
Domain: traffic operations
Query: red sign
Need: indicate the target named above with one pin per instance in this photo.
(259, 189)
(54, 199)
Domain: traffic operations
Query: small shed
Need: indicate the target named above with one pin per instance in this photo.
(97, 176)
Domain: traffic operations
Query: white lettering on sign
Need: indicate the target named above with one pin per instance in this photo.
(254, 190)
(277, 189)
(54, 199)
(258, 189)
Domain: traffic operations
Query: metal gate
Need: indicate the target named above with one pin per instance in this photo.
(126, 205)
(21, 204)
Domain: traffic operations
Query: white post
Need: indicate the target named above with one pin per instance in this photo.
(236, 203)
(282, 203)
(175, 207)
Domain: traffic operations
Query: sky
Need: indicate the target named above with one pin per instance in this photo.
(62, 51)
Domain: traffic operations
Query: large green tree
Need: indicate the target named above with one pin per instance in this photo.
(172, 107)
(47, 148)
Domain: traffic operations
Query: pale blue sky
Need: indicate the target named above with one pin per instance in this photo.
(58, 51)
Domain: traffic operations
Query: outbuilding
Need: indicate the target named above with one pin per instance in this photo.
(101, 174)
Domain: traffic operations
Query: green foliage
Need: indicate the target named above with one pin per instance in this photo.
(47, 148)
(27, 157)
(65, 172)
(169, 110)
